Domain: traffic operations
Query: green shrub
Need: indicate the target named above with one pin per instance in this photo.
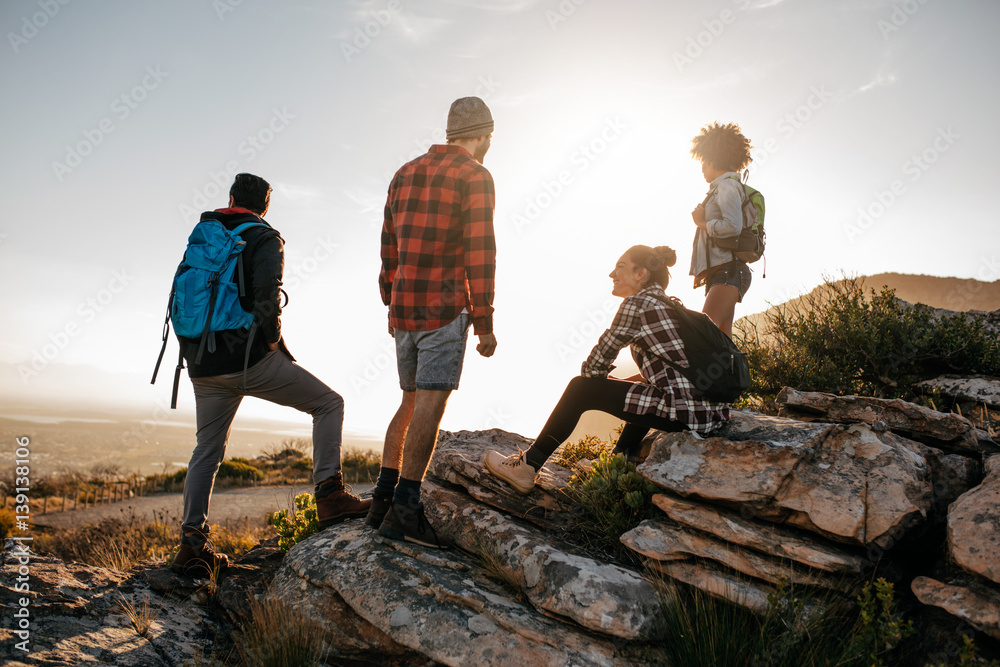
(614, 499)
(302, 464)
(588, 447)
(360, 466)
(796, 629)
(881, 629)
(844, 342)
(234, 469)
(292, 529)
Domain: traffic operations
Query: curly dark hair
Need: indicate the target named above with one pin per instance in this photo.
(722, 146)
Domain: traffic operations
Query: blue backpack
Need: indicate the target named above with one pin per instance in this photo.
(205, 298)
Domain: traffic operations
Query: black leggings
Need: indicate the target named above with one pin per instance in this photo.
(602, 394)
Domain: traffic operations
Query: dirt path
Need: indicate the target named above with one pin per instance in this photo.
(228, 506)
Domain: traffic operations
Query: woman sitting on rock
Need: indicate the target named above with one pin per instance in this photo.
(660, 397)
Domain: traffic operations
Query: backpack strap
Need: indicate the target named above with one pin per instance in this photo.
(166, 335)
(177, 379)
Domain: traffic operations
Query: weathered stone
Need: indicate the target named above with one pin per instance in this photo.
(739, 590)
(662, 540)
(938, 429)
(599, 596)
(977, 605)
(458, 459)
(847, 483)
(76, 617)
(972, 389)
(773, 539)
(436, 605)
(974, 526)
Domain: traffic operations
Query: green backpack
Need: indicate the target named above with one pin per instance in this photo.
(749, 245)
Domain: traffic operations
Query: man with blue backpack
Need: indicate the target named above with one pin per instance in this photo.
(226, 307)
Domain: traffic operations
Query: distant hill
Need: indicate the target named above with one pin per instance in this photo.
(959, 294)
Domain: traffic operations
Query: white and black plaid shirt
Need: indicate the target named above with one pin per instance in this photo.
(648, 326)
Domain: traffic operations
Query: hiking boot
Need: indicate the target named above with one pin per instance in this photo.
(336, 504)
(196, 557)
(512, 469)
(407, 523)
(380, 505)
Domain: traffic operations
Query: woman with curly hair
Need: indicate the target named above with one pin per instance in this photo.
(723, 152)
(659, 397)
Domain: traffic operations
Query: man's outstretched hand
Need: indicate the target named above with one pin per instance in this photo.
(487, 345)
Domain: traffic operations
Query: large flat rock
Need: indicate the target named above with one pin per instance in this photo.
(974, 526)
(434, 603)
(76, 617)
(458, 459)
(556, 578)
(972, 389)
(773, 539)
(945, 430)
(979, 606)
(845, 482)
(663, 540)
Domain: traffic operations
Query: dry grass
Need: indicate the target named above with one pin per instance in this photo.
(280, 636)
(141, 616)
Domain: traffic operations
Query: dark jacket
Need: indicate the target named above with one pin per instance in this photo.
(263, 264)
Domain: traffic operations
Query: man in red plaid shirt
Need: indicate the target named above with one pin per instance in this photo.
(438, 268)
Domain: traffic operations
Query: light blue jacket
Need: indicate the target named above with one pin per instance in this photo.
(724, 218)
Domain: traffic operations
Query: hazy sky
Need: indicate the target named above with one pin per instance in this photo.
(874, 125)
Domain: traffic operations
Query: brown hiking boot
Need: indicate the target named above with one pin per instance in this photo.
(197, 558)
(335, 504)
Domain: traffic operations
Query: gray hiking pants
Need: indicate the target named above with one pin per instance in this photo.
(274, 378)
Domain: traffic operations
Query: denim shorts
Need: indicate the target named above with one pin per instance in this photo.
(735, 273)
(432, 359)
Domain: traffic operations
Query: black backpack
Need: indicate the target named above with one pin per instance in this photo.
(717, 368)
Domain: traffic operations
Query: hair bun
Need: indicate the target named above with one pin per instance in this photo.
(665, 254)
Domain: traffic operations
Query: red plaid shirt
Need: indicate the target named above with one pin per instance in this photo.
(648, 326)
(438, 248)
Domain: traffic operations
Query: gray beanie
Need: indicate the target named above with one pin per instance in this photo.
(469, 117)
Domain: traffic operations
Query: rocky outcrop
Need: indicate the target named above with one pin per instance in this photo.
(435, 604)
(76, 616)
(845, 482)
(947, 431)
(458, 459)
(975, 604)
(555, 577)
(773, 539)
(965, 389)
(974, 527)
(762, 503)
